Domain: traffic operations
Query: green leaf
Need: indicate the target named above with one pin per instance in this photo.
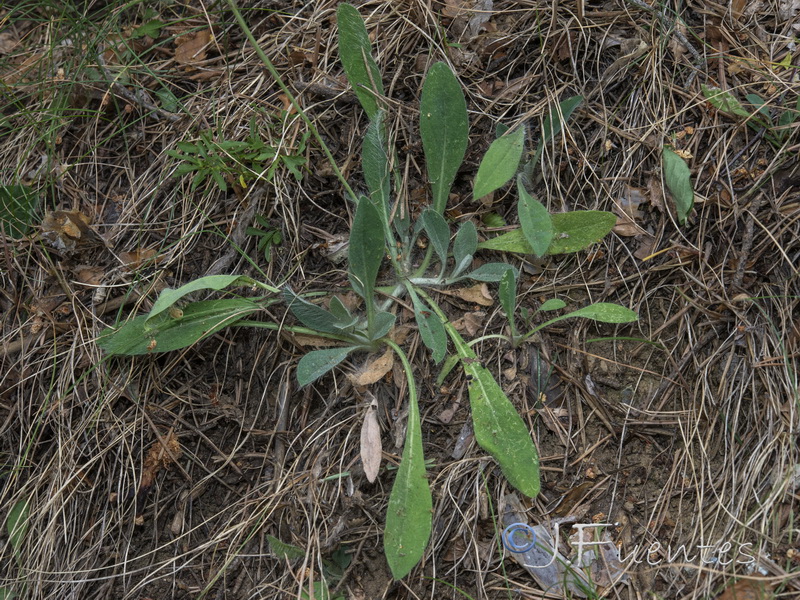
(169, 296)
(605, 312)
(318, 362)
(759, 104)
(342, 314)
(724, 101)
(311, 315)
(552, 304)
(283, 550)
(7, 593)
(169, 102)
(17, 525)
(500, 163)
(438, 232)
(17, 206)
(537, 226)
(572, 231)
(493, 220)
(151, 29)
(464, 247)
(430, 328)
(320, 591)
(355, 52)
(555, 119)
(198, 320)
(375, 162)
(410, 510)
(384, 321)
(508, 292)
(366, 248)
(491, 272)
(679, 182)
(443, 127)
(498, 427)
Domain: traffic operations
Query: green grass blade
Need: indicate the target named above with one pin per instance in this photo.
(443, 127)
(355, 52)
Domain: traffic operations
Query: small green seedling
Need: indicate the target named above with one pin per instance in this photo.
(382, 231)
(268, 236)
(230, 161)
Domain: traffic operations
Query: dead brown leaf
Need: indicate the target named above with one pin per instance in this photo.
(133, 260)
(471, 322)
(66, 229)
(8, 41)
(190, 48)
(628, 213)
(374, 370)
(476, 294)
(468, 15)
(746, 589)
(371, 448)
(89, 275)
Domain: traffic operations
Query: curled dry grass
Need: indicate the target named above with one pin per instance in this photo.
(163, 476)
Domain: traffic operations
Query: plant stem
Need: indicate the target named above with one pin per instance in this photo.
(276, 76)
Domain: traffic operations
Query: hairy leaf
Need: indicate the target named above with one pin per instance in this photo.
(169, 297)
(366, 248)
(311, 315)
(318, 362)
(498, 427)
(500, 163)
(491, 272)
(605, 312)
(430, 328)
(375, 162)
(443, 127)
(534, 218)
(464, 247)
(410, 510)
(355, 53)
(438, 232)
(679, 181)
(508, 292)
(572, 231)
(194, 322)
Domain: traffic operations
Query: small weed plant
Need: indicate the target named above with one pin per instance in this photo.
(383, 232)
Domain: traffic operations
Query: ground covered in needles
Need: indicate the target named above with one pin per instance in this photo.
(209, 472)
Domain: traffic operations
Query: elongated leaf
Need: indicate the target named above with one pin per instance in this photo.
(375, 162)
(384, 321)
(342, 314)
(605, 312)
(555, 119)
(366, 248)
(508, 292)
(430, 328)
(443, 127)
(679, 181)
(438, 232)
(17, 207)
(169, 296)
(572, 231)
(491, 272)
(534, 218)
(725, 102)
(500, 163)
(410, 510)
(194, 322)
(498, 427)
(311, 315)
(17, 525)
(283, 550)
(552, 304)
(464, 247)
(318, 362)
(355, 53)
